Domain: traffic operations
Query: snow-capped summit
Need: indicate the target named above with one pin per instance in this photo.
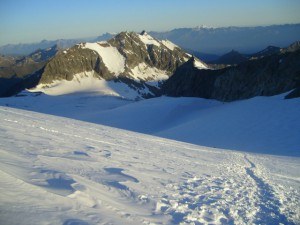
(137, 62)
(199, 27)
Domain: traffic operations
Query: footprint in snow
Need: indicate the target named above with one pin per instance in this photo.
(80, 153)
(75, 222)
(54, 181)
(90, 147)
(115, 179)
(105, 153)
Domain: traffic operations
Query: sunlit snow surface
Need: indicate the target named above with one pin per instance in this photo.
(87, 83)
(170, 45)
(110, 55)
(143, 72)
(148, 40)
(198, 64)
(56, 170)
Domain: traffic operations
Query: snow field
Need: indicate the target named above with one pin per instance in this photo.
(267, 125)
(61, 171)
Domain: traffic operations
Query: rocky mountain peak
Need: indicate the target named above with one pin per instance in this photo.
(270, 50)
(143, 32)
(293, 47)
(137, 60)
(230, 58)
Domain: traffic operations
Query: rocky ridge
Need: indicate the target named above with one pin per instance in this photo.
(18, 73)
(267, 76)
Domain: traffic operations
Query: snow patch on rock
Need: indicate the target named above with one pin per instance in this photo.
(199, 65)
(146, 73)
(111, 57)
(148, 40)
(170, 45)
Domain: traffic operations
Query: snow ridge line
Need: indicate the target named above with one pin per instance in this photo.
(269, 204)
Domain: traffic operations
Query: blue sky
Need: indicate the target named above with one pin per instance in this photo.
(23, 21)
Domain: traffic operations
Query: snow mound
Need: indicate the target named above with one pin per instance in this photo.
(87, 83)
(111, 57)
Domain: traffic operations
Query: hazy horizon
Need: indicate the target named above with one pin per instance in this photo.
(32, 21)
(138, 31)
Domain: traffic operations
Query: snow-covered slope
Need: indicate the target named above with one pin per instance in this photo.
(61, 171)
(262, 124)
(87, 83)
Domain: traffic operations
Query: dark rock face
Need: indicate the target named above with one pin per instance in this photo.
(232, 58)
(186, 81)
(270, 50)
(64, 65)
(12, 85)
(268, 76)
(18, 73)
(294, 94)
(24, 66)
(16, 78)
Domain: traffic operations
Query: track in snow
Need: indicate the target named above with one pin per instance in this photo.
(268, 204)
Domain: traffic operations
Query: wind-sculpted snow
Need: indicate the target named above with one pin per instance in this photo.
(61, 171)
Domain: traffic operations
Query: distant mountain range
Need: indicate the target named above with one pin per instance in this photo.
(200, 41)
(234, 57)
(25, 49)
(222, 40)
